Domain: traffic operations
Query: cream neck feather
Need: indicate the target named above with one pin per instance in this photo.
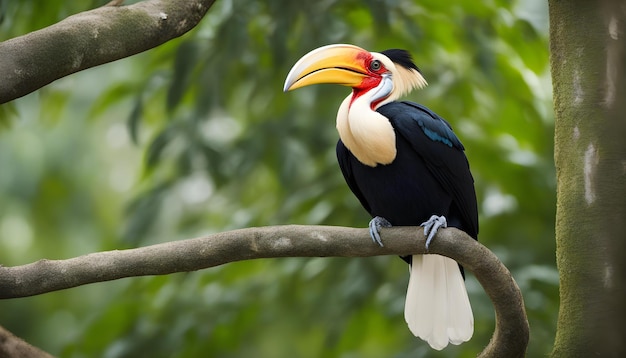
(367, 133)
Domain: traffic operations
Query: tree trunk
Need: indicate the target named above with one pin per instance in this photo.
(587, 60)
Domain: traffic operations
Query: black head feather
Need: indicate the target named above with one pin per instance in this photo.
(402, 58)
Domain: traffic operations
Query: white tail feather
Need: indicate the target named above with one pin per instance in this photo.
(437, 308)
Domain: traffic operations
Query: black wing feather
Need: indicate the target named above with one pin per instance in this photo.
(442, 153)
(345, 159)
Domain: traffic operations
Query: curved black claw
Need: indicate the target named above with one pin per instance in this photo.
(375, 225)
(432, 225)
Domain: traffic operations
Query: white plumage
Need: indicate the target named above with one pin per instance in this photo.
(437, 308)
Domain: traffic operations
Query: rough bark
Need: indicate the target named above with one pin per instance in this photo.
(92, 38)
(588, 42)
(509, 340)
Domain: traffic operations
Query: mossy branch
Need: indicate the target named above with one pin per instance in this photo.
(92, 38)
(509, 340)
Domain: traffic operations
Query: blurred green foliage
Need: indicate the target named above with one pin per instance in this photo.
(196, 136)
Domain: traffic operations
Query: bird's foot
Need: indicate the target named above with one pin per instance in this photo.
(375, 225)
(431, 226)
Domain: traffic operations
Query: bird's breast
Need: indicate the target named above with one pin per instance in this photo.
(368, 135)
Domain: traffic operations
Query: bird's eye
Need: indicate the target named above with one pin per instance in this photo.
(375, 65)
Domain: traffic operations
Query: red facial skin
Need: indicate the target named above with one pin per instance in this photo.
(371, 81)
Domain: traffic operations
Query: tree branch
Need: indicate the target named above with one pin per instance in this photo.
(92, 38)
(12, 346)
(509, 340)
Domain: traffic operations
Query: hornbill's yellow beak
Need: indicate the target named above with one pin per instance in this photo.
(338, 64)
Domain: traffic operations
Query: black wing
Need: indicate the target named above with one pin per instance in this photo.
(442, 152)
(345, 163)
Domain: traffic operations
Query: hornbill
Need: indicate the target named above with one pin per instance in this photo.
(407, 167)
